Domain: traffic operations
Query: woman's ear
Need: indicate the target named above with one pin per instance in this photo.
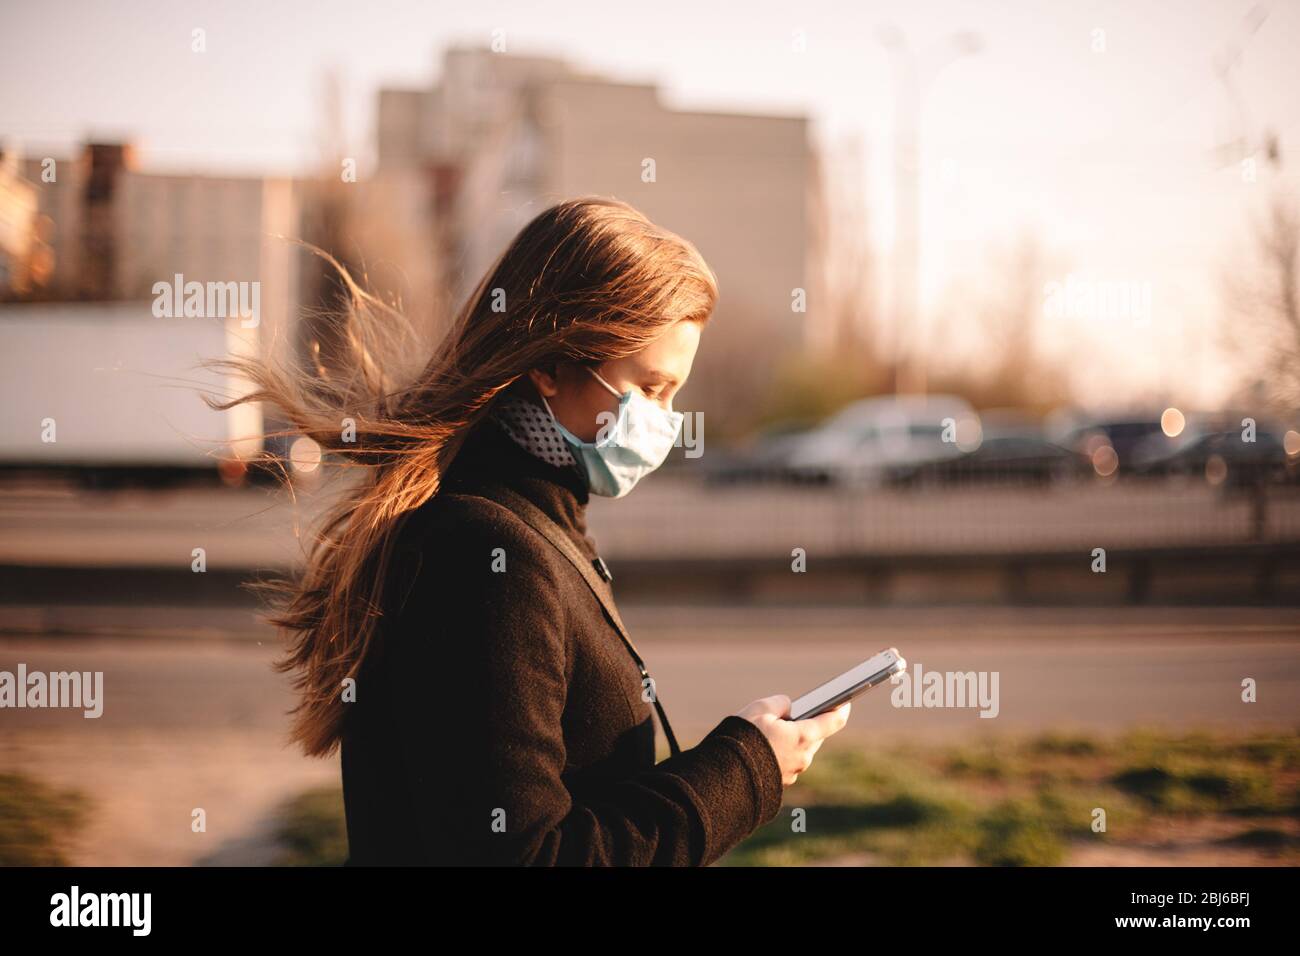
(545, 381)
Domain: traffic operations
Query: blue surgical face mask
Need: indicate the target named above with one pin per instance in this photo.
(633, 446)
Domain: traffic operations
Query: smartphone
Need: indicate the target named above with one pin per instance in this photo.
(828, 696)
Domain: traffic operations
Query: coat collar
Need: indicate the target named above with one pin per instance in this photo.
(489, 458)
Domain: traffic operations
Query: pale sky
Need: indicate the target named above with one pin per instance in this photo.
(1100, 144)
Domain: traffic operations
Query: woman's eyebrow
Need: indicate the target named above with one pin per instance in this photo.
(662, 377)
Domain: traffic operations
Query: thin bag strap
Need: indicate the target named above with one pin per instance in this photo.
(540, 522)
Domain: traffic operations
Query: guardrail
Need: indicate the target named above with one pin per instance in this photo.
(1242, 574)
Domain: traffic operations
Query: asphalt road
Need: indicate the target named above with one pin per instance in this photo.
(1101, 669)
(197, 719)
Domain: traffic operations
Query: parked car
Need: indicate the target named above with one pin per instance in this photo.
(1012, 449)
(878, 441)
(1213, 447)
(764, 459)
(1110, 443)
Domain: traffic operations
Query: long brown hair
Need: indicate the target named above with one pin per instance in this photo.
(587, 280)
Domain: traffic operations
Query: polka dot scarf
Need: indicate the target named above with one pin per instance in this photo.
(531, 426)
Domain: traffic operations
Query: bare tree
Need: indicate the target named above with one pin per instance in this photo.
(1262, 299)
(366, 224)
(846, 256)
(842, 362)
(1006, 309)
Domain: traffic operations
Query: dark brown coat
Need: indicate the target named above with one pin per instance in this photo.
(500, 719)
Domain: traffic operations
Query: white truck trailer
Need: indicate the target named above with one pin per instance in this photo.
(110, 387)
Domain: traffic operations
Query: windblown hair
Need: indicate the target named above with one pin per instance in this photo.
(586, 281)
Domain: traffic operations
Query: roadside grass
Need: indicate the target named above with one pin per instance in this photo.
(1028, 801)
(37, 822)
(1012, 802)
(310, 829)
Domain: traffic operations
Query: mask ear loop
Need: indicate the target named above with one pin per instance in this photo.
(557, 421)
(608, 387)
(547, 405)
(611, 389)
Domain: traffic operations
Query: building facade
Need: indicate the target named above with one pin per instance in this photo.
(501, 137)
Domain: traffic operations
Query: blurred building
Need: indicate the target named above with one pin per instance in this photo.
(212, 229)
(112, 231)
(501, 137)
(462, 166)
(22, 258)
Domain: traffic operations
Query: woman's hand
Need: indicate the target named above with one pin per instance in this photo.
(794, 741)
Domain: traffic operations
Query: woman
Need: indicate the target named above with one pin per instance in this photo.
(454, 632)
